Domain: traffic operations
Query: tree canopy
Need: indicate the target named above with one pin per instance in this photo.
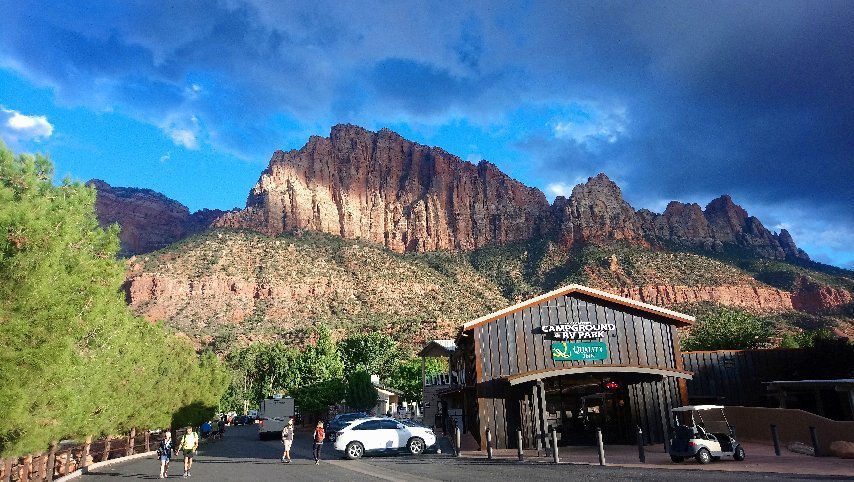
(74, 361)
(727, 329)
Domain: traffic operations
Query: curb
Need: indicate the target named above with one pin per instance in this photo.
(97, 465)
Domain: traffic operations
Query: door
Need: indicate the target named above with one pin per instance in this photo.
(368, 433)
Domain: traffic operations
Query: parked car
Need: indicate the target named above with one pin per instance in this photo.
(240, 420)
(381, 434)
(340, 421)
(709, 438)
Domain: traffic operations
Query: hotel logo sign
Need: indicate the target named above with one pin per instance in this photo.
(595, 350)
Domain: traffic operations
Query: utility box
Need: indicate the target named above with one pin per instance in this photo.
(273, 414)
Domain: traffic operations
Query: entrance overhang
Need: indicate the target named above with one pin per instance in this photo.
(576, 370)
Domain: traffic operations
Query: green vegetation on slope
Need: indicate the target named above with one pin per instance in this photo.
(73, 360)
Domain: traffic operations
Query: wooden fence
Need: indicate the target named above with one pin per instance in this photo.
(65, 457)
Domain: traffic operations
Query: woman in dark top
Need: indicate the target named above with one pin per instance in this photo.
(164, 453)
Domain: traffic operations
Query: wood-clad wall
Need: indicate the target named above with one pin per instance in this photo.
(507, 346)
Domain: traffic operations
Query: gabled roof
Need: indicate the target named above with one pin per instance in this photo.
(438, 348)
(678, 319)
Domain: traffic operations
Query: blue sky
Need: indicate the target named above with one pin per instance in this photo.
(673, 100)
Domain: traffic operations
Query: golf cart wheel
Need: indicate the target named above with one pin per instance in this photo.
(703, 456)
(354, 450)
(739, 454)
(416, 446)
(677, 458)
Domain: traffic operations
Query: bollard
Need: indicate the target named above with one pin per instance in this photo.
(488, 444)
(519, 444)
(641, 452)
(600, 446)
(814, 439)
(555, 456)
(775, 437)
(457, 441)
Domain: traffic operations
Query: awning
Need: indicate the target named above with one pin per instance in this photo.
(580, 369)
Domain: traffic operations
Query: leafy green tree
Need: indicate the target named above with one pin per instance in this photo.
(320, 361)
(727, 329)
(374, 353)
(406, 375)
(73, 360)
(317, 397)
(361, 393)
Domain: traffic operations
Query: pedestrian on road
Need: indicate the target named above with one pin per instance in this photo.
(164, 453)
(221, 426)
(189, 444)
(319, 435)
(288, 440)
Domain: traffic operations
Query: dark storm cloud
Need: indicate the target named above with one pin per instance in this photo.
(688, 100)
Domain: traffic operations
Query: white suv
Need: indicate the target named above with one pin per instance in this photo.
(379, 434)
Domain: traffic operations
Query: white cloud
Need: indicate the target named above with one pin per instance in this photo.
(16, 127)
(559, 189)
(591, 124)
(183, 131)
(166, 157)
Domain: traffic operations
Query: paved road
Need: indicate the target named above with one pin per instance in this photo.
(242, 457)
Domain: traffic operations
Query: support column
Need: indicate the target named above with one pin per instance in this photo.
(543, 412)
(535, 404)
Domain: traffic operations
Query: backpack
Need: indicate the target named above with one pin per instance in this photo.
(319, 435)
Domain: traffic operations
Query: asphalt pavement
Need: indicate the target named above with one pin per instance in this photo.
(242, 457)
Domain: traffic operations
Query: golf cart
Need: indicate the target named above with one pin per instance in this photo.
(707, 437)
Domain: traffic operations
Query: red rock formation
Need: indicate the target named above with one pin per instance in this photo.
(750, 297)
(385, 189)
(148, 220)
(597, 213)
(813, 297)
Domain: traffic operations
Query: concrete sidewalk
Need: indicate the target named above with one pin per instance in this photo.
(760, 458)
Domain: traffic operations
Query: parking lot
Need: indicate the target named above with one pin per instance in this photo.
(241, 456)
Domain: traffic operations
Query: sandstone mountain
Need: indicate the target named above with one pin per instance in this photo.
(365, 230)
(382, 188)
(149, 220)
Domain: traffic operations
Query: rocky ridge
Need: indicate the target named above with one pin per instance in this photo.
(149, 220)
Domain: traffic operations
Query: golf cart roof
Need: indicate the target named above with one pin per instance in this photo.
(691, 408)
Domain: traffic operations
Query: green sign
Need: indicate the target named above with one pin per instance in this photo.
(563, 351)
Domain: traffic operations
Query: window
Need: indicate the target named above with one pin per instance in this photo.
(369, 425)
(388, 424)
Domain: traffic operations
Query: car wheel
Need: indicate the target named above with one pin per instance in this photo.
(354, 450)
(739, 453)
(416, 446)
(703, 456)
(677, 458)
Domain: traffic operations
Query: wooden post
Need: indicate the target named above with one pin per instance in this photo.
(147, 440)
(131, 440)
(67, 462)
(51, 461)
(7, 470)
(87, 447)
(40, 468)
(543, 412)
(28, 466)
(106, 455)
(535, 403)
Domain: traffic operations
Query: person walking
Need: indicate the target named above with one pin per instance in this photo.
(319, 435)
(189, 444)
(288, 440)
(164, 453)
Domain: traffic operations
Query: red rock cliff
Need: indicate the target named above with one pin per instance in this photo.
(385, 189)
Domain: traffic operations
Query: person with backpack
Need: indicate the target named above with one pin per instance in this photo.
(164, 454)
(288, 440)
(319, 435)
(189, 444)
